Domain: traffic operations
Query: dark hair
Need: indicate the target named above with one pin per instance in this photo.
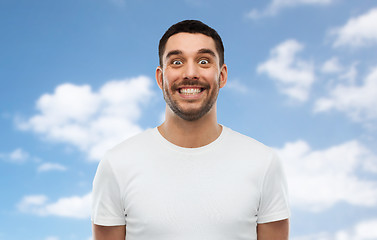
(191, 26)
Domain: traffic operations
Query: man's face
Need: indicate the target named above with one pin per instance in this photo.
(191, 76)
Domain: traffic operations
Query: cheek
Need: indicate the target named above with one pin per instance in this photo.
(166, 83)
(211, 75)
(170, 76)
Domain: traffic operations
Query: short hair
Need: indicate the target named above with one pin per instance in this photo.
(191, 26)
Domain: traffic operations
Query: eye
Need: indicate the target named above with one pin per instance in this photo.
(203, 61)
(177, 62)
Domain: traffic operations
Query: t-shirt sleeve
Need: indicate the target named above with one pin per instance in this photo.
(107, 208)
(274, 204)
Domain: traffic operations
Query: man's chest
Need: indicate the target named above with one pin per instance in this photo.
(208, 199)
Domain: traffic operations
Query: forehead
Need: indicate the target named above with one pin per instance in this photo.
(189, 43)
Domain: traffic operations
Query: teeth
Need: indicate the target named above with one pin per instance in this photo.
(190, 90)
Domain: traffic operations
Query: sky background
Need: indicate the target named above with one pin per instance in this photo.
(77, 77)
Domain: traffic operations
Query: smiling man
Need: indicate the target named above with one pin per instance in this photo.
(191, 177)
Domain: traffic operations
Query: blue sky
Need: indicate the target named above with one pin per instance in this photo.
(77, 77)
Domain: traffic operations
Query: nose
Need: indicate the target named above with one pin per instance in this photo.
(190, 71)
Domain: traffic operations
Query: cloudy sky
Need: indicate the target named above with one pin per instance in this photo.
(77, 77)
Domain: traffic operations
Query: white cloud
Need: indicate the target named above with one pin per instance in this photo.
(332, 66)
(293, 76)
(318, 179)
(72, 207)
(34, 200)
(276, 6)
(236, 86)
(358, 31)
(91, 121)
(357, 101)
(47, 167)
(350, 75)
(365, 230)
(18, 156)
(317, 236)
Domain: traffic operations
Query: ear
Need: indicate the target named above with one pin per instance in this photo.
(223, 75)
(159, 77)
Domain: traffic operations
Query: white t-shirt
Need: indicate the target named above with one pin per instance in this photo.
(165, 192)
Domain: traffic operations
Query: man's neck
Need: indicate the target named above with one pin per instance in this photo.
(191, 134)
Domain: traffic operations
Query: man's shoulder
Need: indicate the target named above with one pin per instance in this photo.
(241, 138)
(242, 141)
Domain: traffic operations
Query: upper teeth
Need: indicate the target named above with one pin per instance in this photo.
(190, 90)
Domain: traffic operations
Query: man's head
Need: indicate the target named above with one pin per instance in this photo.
(191, 26)
(191, 71)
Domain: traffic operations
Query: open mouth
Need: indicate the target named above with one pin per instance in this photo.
(190, 91)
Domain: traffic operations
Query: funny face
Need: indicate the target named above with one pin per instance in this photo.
(191, 77)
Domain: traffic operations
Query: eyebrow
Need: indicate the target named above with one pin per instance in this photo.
(207, 50)
(179, 52)
(173, 52)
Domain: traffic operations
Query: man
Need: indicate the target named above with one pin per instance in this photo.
(190, 178)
